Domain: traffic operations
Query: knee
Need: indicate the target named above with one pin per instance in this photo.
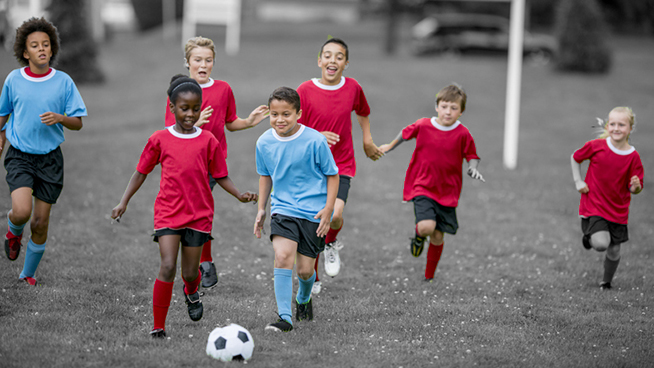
(305, 274)
(284, 259)
(20, 214)
(436, 238)
(167, 270)
(600, 241)
(190, 275)
(613, 252)
(39, 225)
(426, 228)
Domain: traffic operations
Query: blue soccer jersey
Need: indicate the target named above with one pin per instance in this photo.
(298, 166)
(26, 97)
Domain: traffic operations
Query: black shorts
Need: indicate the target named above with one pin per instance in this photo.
(343, 187)
(43, 173)
(426, 208)
(301, 231)
(619, 232)
(190, 237)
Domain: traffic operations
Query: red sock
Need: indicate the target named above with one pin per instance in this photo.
(206, 252)
(190, 287)
(331, 235)
(315, 266)
(433, 256)
(161, 295)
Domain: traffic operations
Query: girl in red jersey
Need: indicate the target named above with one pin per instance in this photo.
(183, 210)
(614, 173)
(218, 113)
(434, 177)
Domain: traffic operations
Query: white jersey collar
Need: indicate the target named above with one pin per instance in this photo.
(340, 84)
(444, 128)
(288, 139)
(177, 134)
(617, 151)
(40, 79)
(208, 84)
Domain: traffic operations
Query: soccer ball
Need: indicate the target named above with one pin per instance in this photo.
(230, 342)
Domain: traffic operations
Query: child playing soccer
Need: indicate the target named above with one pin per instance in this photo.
(299, 173)
(183, 210)
(614, 173)
(327, 105)
(37, 103)
(218, 113)
(434, 177)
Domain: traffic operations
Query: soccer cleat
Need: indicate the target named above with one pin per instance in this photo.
(194, 305)
(428, 281)
(332, 260)
(417, 246)
(605, 286)
(158, 333)
(316, 288)
(12, 245)
(585, 240)
(209, 275)
(304, 311)
(281, 325)
(29, 280)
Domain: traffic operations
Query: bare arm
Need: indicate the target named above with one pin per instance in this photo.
(394, 143)
(227, 184)
(51, 118)
(134, 184)
(372, 151)
(3, 137)
(265, 186)
(255, 117)
(325, 215)
(576, 175)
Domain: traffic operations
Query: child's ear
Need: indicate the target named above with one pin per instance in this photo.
(186, 63)
(299, 114)
(172, 108)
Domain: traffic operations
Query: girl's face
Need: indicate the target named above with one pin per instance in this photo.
(186, 110)
(332, 61)
(38, 51)
(618, 127)
(448, 112)
(283, 118)
(200, 64)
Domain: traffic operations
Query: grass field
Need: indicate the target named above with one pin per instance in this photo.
(514, 287)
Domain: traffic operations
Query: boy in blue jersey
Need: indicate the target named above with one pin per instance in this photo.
(36, 103)
(300, 175)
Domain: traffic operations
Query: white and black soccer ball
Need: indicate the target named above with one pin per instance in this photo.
(231, 342)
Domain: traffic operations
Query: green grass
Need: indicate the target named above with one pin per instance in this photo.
(514, 286)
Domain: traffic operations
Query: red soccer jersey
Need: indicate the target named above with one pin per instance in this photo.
(329, 108)
(184, 199)
(608, 179)
(436, 165)
(219, 96)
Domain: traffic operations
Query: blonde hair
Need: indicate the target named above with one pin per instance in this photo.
(196, 42)
(604, 133)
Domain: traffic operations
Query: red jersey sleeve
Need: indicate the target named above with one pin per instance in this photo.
(584, 153)
(230, 113)
(410, 131)
(150, 156)
(361, 106)
(216, 159)
(469, 148)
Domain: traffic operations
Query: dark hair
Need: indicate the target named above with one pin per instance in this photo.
(27, 28)
(180, 83)
(338, 41)
(453, 93)
(286, 94)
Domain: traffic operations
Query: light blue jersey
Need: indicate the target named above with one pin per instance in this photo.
(299, 166)
(26, 97)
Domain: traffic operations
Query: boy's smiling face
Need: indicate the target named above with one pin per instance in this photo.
(283, 118)
(448, 112)
(332, 61)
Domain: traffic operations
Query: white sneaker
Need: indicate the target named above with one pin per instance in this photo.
(317, 286)
(332, 260)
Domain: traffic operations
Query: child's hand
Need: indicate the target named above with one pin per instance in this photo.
(118, 211)
(258, 223)
(204, 116)
(385, 147)
(372, 151)
(258, 114)
(475, 174)
(50, 118)
(332, 138)
(581, 187)
(635, 186)
(248, 197)
(325, 218)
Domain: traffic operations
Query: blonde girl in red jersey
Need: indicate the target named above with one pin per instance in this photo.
(183, 210)
(614, 173)
(218, 113)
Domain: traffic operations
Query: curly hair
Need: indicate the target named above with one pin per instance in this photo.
(27, 28)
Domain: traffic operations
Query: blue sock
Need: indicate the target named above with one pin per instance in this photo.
(16, 230)
(304, 291)
(284, 293)
(33, 256)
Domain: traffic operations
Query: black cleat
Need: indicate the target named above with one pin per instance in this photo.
(585, 240)
(194, 305)
(304, 311)
(159, 333)
(417, 246)
(281, 325)
(605, 286)
(209, 275)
